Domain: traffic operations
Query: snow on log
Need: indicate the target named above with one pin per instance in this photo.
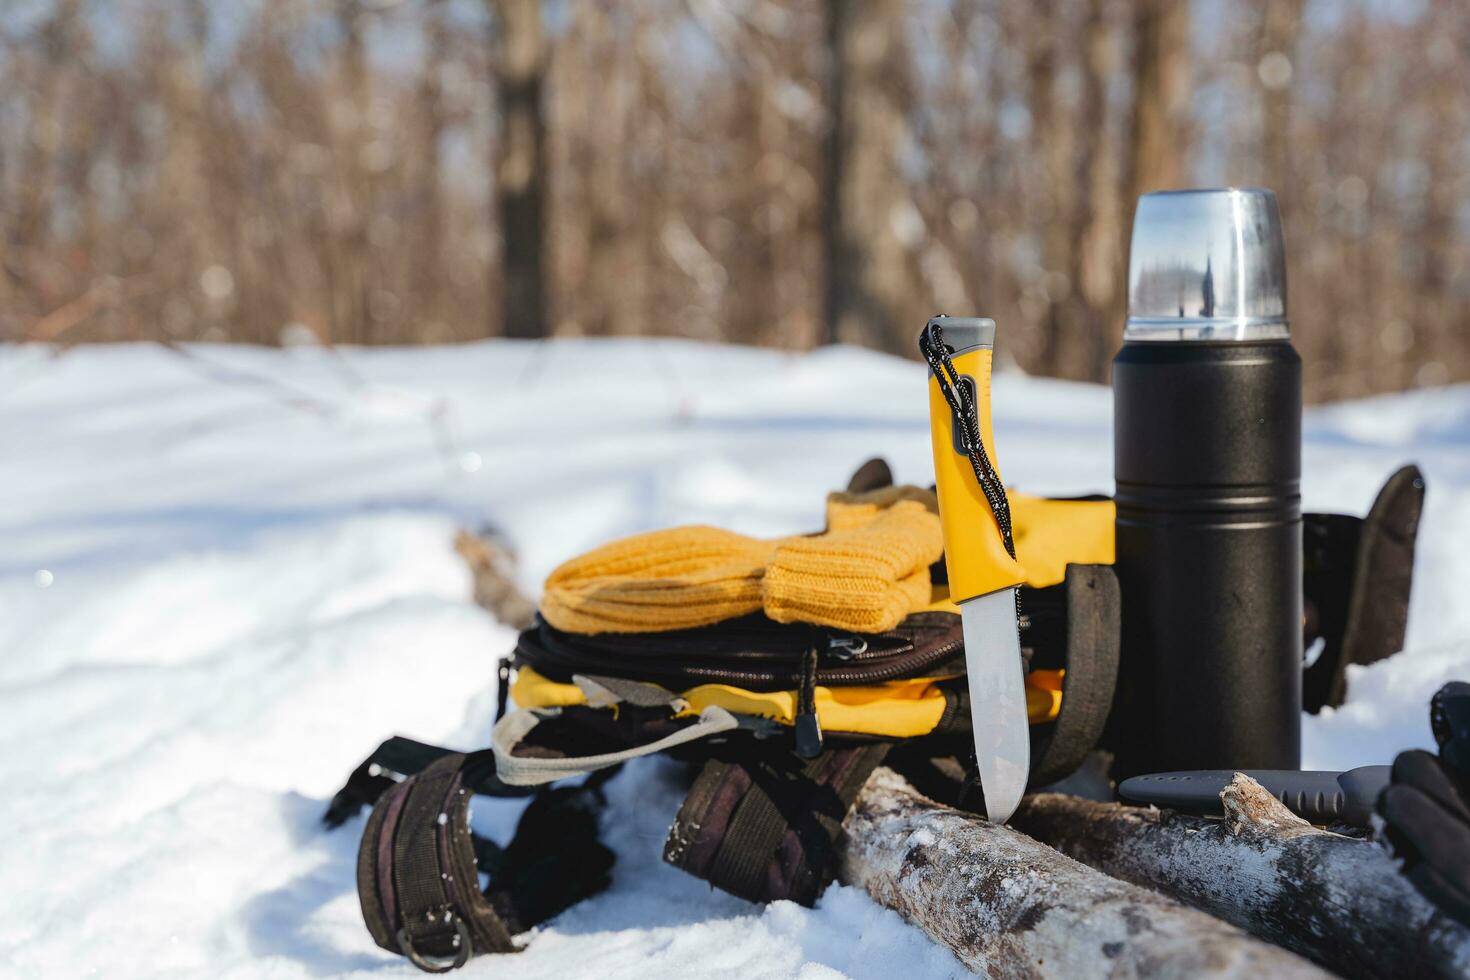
(1010, 907)
(1336, 899)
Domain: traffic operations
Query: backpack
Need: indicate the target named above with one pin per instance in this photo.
(779, 723)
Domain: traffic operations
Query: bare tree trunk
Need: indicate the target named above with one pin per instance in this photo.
(866, 261)
(1281, 22)
(1158, 153)
(25, 221)
(1336, 899)
(520, 172)
(1051, 141)
(1159, 136)
(834, 257)
(428, 258)
(1010, 907)
(1097, 262)
(356, 183)
(1435, 313)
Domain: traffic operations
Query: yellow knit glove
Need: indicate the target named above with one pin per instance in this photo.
(664, 580)
(865, 577)
(869, 570)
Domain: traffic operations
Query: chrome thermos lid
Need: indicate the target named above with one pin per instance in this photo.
(1207, 265)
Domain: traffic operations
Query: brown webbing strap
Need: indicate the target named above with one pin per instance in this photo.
(764, 827)
(417, 874)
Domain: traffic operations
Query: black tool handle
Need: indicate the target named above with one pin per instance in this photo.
(1316, 796)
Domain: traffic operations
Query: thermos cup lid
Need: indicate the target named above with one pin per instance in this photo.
(1207, 264)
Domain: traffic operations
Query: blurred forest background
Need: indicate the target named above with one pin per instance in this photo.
(777, 172)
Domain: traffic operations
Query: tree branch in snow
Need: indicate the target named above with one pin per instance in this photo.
(495, 586)
(1008, 906)
(1336, 899)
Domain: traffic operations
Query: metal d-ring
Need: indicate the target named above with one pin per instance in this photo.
(439, 964)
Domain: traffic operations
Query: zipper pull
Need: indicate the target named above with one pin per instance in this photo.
(808, 725)
(845, 647)
(502, 686)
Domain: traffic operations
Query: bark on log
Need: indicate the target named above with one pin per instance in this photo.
(1010, 907)
(1335, 899)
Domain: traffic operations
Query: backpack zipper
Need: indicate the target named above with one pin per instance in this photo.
(906, 664)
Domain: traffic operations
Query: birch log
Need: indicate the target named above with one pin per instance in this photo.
(1335, 899)
(1010, 907)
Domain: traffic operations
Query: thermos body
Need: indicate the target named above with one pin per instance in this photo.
(1207, 455)
(1207, 399)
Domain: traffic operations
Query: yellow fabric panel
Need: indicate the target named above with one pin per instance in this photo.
(1052, 534)
(897, 709)
(533, 690)
(1044, 695)
(900, 711)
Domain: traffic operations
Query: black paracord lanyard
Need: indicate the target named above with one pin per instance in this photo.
(962, 405)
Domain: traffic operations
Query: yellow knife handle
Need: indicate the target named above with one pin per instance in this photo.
(974, 551)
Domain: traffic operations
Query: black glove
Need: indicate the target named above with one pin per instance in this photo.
(1426, 807)
(555, 859)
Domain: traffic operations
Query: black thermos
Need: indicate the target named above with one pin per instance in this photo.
(1207, 456)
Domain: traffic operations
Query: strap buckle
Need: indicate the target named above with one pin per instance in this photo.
(439, 964)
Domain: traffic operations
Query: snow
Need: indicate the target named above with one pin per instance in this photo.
(228, 574)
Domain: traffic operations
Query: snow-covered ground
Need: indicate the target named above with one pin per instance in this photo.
(225, 577)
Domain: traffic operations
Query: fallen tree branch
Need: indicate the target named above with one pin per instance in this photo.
(1010, 907)
(495, 586)
(1336, 899)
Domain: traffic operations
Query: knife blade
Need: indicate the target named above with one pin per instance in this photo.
(998, 700)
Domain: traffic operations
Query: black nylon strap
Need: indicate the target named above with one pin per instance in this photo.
(398, 757)
(1091, 603)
